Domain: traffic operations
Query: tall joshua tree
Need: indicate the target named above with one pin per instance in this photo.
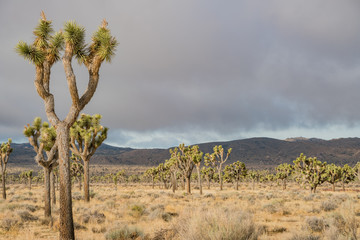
(313, 171)
(42, 138)
(283, 172)
(186, 159)
(5, 151)
(86, 135)
(236, 171)
(217, 159)
(43, 53)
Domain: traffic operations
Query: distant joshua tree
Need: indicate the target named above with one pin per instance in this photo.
(283, 172)
(5, 151)
(86, 135)
(313, 171)
(42, 138)
(186, 159)
(217, 160)
(236, 171)
(43, 53)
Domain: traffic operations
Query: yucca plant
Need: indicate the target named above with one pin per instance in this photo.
(48, 48)
(42, 138)
(86, 135)
(313, 171)
(217, 160)
(5, 150)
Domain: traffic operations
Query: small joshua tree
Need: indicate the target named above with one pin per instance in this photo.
(42, 138)
(76, 169)
(313, 171)
(283, 172)
(236, 171)
(254, 176)
(43, 53)
(186, 157)
(5, 151)
(151, 172)
(217, 159)
(86, 135)
(348, 175)
(208, 174)
(333, 174)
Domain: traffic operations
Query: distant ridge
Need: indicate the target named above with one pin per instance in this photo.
(253, 151)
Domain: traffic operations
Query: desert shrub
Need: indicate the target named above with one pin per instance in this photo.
(271, 207)
(343, 224)
(329, 205)
(137, 210)
(164, 234)
(93, 217)
(309, 197)
(9, 223)
(315, 224)
(25, 216)
(124, 233)
(216, 224)
(304, 236)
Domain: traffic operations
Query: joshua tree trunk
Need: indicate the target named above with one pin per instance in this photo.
(284, 183)
(343, 186)
(237, 184)
(174, 184)
(3, 184)
(188, 190)
(153, 182)
(30, 183)
(220, 177)
(52, 188)
(86, 181)
(333, 187)
(66, 218)
(47, 192)
(199, 179)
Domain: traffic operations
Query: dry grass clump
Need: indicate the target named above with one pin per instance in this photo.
(214, 224)
(124, 233)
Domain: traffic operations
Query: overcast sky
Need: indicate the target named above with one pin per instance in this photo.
(198, 70)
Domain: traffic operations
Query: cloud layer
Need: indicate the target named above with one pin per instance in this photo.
(199, 70)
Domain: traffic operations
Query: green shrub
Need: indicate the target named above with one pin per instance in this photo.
(124, 233)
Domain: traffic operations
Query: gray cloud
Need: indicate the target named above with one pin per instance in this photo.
(199, 70)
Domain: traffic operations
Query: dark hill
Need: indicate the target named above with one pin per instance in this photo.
(253, 151)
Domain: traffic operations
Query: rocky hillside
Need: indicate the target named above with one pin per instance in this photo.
(253, 151)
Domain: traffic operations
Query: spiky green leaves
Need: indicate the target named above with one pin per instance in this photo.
(42, 33)
(74, 34)
(88, 133)
(103, 44)
(30, 52)
(6, 147)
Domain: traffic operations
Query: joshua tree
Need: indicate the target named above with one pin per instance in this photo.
(208, 173)
(254, 177)
(217, 159)
(236, 171)
(152, 172)
(43, 53)
(313, 171)
(197, 159)
(283, 172)
(185, 158)
(86, 135)
(333, 174)
(5, 151)
(76, 169)
(28, 176)
(348, 174)
(42, 138)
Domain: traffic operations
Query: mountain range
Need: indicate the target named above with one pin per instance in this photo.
(261, 152)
